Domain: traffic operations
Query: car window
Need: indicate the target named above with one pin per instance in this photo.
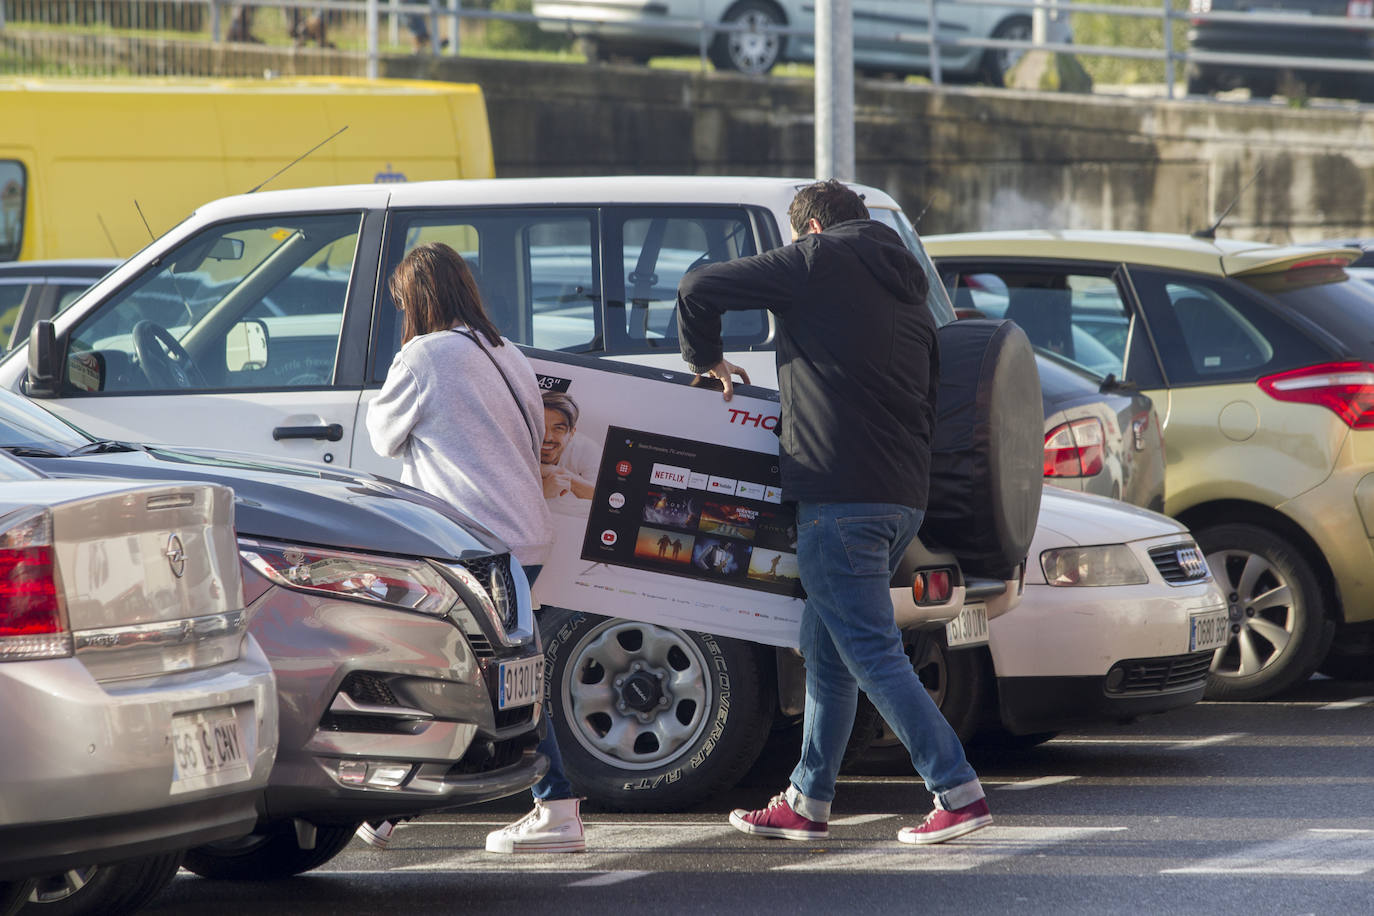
(658, 248)
(24, 424)
(253, 304)
(1079, 317)
(538, 271)
(13, 191)
(1213, 330)
(12, 296)
(938, 300)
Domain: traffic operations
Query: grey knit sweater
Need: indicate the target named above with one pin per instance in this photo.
(445, 412)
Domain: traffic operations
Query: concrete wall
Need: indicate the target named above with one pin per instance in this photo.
(981, 158)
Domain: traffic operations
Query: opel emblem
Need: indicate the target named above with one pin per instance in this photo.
(176, 556)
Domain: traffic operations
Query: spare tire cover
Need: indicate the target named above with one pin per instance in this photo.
(987, 453)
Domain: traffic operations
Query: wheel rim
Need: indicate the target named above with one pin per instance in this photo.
(753, 52)
(636, 695)
(1260, 603)
(1008, 57)
(58, 887)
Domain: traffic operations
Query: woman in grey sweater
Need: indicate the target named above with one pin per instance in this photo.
(462, 409)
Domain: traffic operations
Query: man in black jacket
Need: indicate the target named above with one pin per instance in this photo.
(857, 371)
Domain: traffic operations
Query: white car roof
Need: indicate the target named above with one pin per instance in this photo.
(775, 193)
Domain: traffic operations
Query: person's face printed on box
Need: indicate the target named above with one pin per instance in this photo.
(558, 432)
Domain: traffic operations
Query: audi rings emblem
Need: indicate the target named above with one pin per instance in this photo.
(176, 556)
(1191, 562)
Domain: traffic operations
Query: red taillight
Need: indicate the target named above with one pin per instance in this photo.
(932, 586)
(1074, 449)
(1347, 389)
(33, 622)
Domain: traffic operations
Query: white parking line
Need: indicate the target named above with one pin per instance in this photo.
(855, 820)
(989, 845)
(1347, 704)
(1206, 742)
(610, 877)
(1038, 783)
(1311, 852)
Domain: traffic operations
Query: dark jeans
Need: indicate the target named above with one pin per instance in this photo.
(554, 785)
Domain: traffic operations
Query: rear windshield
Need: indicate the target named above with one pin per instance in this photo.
(1329, 297)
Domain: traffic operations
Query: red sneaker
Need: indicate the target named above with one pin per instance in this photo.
(778, 820)
(941, 825)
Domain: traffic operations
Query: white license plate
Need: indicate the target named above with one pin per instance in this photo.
(520, 682)
(970, 628)
(209, 748)
(1208, 631)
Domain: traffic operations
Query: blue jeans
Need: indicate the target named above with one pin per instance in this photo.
(847, 553)
(555, 783)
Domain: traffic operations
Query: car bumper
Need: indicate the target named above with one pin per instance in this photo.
(88, 767)
(386, 712)
(1075, 655)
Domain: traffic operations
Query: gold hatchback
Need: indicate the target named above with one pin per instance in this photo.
(1260, 361)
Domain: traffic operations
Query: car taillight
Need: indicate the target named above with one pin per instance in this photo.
(1074, 449)
(33, 618)
(1347, 389)
(932, 586)
(411, 585)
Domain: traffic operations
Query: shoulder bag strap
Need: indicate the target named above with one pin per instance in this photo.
(509, 387)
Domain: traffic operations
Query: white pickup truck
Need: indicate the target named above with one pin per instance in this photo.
(262, 323)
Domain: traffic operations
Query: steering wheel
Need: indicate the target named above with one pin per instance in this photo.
(163, 360)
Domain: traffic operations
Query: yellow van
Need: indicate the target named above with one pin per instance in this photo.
(75, 155)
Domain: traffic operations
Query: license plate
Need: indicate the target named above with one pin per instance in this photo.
(520, 683)
(970, 628)
(208, 748)
(1209, 631)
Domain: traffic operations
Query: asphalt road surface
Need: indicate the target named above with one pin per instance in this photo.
(1244, 808)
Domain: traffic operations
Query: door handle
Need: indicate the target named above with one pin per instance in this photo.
(332, 433)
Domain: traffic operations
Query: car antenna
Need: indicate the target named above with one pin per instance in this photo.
(109, 238)
(917, 221)
(1211, 231)
(298, 158)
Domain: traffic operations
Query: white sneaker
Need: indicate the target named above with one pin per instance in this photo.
(376, 834)
(553, 826)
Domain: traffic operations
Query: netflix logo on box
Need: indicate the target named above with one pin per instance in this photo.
(665, 475)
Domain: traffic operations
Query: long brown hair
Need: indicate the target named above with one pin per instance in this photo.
(435, 290)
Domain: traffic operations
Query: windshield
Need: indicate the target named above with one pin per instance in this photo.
(23, 424)
(940, 306)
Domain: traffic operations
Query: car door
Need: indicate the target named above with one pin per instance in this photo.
(1215, 340)
(237, 338)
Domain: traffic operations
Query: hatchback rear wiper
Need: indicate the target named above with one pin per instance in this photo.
(102, 446)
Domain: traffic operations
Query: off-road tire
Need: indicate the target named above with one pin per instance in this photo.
(720, 711)
(269, 854)
(109, 890)
(1276, 644)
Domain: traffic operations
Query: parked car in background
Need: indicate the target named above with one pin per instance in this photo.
(389, 619)
(263, 323)
(1314, 29)
(139, 715)
(886, 34)
(33, 290)
(1260, 360)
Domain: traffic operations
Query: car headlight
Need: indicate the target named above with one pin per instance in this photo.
(1107, 564)
(410, 585)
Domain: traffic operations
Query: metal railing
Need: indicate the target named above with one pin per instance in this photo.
(349, 37)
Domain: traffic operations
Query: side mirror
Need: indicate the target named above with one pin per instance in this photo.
(45, 365)
(245, 347)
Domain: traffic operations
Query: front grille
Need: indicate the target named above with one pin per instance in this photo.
(495, 576)
(1180, 563)
(1159, 675)
(505, 718)
(380, 725)
(481, 647)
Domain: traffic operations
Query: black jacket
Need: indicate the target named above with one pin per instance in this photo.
(857, 358)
